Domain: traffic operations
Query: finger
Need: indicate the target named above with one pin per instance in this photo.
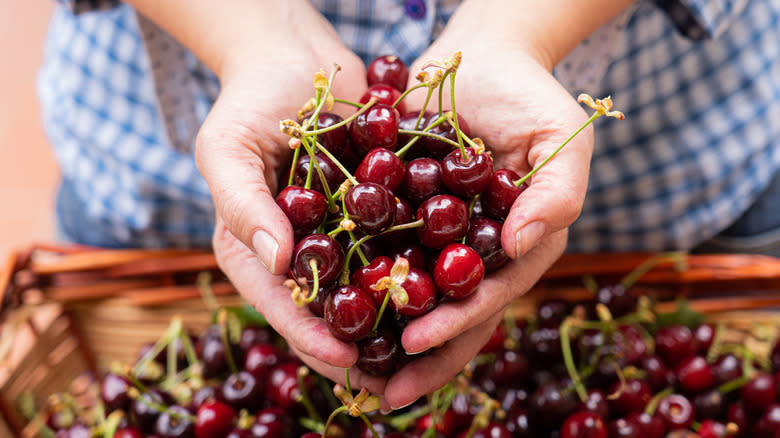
(302, 329)
(229, 157)
(554, 197)
(495, 292)
(429, 373)
(357, 378)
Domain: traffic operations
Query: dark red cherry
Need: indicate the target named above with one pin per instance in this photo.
(350, 313)
(648, 426)
(493, 430)
(212, 353)
(422, 294)
(510, 368)
(389, 70)
(633, 396)
(710, 404)
(437, 148)
(518, 423)
(498, 197)
(242, 391)
(254, 335)
(618, 300)
(260, 359)
(415, 254)
(282, 385)
(375, 128)
(239, 433)
(385, 94)
(584, 424)
(694, 375)
(676, 411)
(597, 402)
(175, 423)
(445, 219)
(759, 392)
(378, 354)
(214, 420)
(466, 177)
(204, 394)
(272, 422)
(622, 428)
(317, 307)
(544, 345)
(371, 248)
(712, 429)
(371, 206)
(551, 404)
(768, 424)
(304, 208)
(325, 251)
(383, 167)
(335, 140)
(445, 423)
(657, 375)
(484, 236)
(422, 180)
(735, 413)
(409, 122)
(369, 275)
(128, 432)
(458, 271)
(113, 391)
(703, 336)
(550, 313)
(726, 368)
(404, 213)
(333, 175)
(674, 344)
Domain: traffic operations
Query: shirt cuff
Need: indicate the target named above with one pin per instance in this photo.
(81, 6)
(702, 19)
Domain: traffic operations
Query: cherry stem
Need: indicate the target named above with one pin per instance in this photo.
(652, 405)
(369, 425)
(157, 348)
(161, 408)
(348, 102)
(381, 312)
(406, 93)
(316, 163)
(346, 381)
(403, 421)
(360, 253)
(717, 342)
(170, 363)
(312, 160)
(293, 165)
(338, 164)
(472, 204)
(631, 278)
(520, 181)
(429, 134)
(303, 395)
(189, 349)
(365, 108)
(316, 281)
(441, 92)
(400, 152)
(733, 385)
(407, 226)
(335, 232)
(223, 334)
(568, 360)
(348, 257)
(424, 107)
(463, 157)
(333, 415)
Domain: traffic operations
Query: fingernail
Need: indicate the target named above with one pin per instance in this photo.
(527, 237)
(395, 408)
(412, 353)
(266, 249)
(385, 411)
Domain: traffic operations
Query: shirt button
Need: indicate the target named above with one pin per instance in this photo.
(415, 9)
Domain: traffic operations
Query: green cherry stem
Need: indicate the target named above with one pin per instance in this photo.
(338, 164)
(568, 359)
(424, 107)
(320, 94)
(333, 415)
(315, 281)
(406, 93)
(441, 94)
(652, 405)
(293, 165)
(303, 396)
(348, 102)
(369, 425)
(463, 156)
(313, 162)
(429, 134)
(360, 253)
(348, 257)
(380, 312)
(400, 152)
(365, 108)
(223, 334)
(347, 385)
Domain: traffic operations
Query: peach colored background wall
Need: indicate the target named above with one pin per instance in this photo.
(28, 173)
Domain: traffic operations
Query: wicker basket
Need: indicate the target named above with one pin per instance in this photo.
(77, 309)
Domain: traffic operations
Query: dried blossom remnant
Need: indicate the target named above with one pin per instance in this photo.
(480, 145)
(423, 77)
(602, 106)
(308, 106)
(436, 79)
(294, 143)
(298, 293)
(345, 186)
(291, 128)
(320, 80)
(452, 62)
(362, 403)
(393, 282)
(347, 225)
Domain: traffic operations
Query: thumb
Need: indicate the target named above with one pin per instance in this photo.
(237, 169)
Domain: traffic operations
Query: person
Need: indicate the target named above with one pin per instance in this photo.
(164, 118)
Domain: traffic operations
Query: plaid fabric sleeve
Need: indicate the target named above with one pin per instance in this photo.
(701, 19)
(80, 6)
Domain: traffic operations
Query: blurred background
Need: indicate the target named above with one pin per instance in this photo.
(28, 172)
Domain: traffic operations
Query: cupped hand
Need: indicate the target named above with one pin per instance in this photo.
(242, 154)
(513, 103)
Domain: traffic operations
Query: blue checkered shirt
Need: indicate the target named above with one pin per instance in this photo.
(698, 80)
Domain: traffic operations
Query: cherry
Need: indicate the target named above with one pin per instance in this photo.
(379, 353)
(335, 140)
(551, 313)
(499, 196)
(409, 122)
(113, 391)
(317, 307)
(350, 313)
(466, 177)
(203, 395)
(551, 404)
(175, 423)
(282, 385)
(383, 167)
(254, 335)
(710, 404)
(371, 248)
(712, 429)
(421, 291)
(445, 423)
(323, 250)
(544, 345)
(377, 127)
(622, 428)
(657, 375)
(260, 359)
(239, 433)
(128, 432)
(494, 344)
(768, 423)
(493, 430)
(422, 180)
(384, 94)
(584, 424)
(143, 415)
(726, 368)
(304, 208)
(242, 391)
(214, 420)
(735, 413)
(458, 271)
(674, 344)
(445, 219)
(703, 336)
(390, 70)
(371, 206)
(333, 175)
(510, 367)
(404, 213)
(676, 411)
(633, 396)
(617, 299)
(370, 274)
(438, 148)
(695, 375)
(648, 426)
(597, 402)
(211, 350)
(518, 423)
(758, 393)
(484, 236)
(271, 422)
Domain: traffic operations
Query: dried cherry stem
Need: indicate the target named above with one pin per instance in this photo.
(333, 415)
(380, 312)
(406, 93)
(632, 277)
(315, 282)
(568, 359)
(303, 395)
(223, 334)
(346, 121)
(348, 102)
(464, 158)
(652, 405)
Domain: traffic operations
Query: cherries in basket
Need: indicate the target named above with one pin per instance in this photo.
(393, 209)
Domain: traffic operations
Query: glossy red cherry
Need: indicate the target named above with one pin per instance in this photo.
(242, 391)
(414, 253)
(333, 175)
(703, 336)
(323, 250)
(710, 404)
(551, 404)
(633, 397)
(466, 177)
(175, 423)
(304, 208)
(378, 354)
(657, 375)
(383, 167)
(510, 368)
(498, 197)
(128, 432)
(371, 206)
(214, 420)
(385, 94)
(404, 214)
(674, 344)
(768, 424)
(445, 218)
(518, 423)
(622, 428)
(676, 411)
(370, 274)
(409, 122)
(422, 180)
(421, 291)
(282, 387)
(648, 426)
(726, 368)
(260, 359)
(274, 422)
(211, 351)
(350, 313)
(735, 413)
(597, 402)
(759, 392)
(712, 429)
(484, 236)
(437, 148)
(694, 374)
(377, 127)
(584, 424)
(113, 391)
(618, 300)
(335, 140)
(550, 313)
(458, 271)
(390, 70)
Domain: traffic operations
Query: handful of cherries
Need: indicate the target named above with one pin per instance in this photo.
(394, 208)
